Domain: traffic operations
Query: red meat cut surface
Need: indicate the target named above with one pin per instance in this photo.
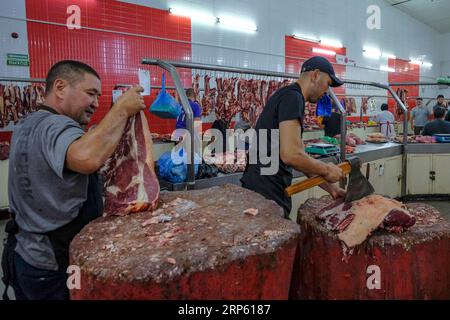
(428, 222)
(355, 221)
(199, 236)
(130, 180)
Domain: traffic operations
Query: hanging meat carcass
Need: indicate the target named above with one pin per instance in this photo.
(196, 87)
(273, 86)
(40, 95)
(19, 102)
(209, 98)
(226, 103)
(2, 107)
(264, 91)
(364, 105)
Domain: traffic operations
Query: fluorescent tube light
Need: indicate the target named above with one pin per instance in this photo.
(331, 43)
(195, 15)
(388, 55)
(237, 23)
(372, 53)
(323, 51)
(416, 62)
(386, 68)
(305, 38)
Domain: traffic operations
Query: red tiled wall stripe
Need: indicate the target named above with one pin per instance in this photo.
(116, 57)
(299, 49)
(404, 72)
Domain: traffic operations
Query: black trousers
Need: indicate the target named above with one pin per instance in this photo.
(31, 283)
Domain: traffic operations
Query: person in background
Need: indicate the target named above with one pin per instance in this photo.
(440, 103)
(385, 120)
(332, 124)
(196, 110)
(180, 135)
(222, 126)
(438, 125)
(244, 126)
(419, 116)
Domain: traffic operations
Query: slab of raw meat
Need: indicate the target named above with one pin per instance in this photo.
(356, 220)
(130, 180)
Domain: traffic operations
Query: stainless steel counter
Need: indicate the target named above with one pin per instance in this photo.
(367, 153)
(433, 148)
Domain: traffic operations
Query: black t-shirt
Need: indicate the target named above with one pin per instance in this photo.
(285, 104)
(447, 117)
(332, 124)
(438, 126)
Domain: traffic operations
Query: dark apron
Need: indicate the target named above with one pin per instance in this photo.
(60, 238)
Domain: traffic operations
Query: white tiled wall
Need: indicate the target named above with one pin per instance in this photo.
(445, 63)
(14, 9)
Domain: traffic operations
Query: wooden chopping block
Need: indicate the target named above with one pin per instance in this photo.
(200, 245)
(411, 265)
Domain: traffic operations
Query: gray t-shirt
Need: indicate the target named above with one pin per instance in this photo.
(420, 115)
(42, 193)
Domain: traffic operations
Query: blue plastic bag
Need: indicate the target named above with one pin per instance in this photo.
(173, 168)
(165, 106)
(324, 106)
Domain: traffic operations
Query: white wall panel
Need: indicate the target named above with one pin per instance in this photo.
(13, 9)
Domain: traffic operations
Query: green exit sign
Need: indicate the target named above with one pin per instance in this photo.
(15, 59)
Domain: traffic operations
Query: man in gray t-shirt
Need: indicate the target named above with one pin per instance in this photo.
(52, 187)
(419, 116)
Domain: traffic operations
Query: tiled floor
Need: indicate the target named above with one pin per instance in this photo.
(442, 206)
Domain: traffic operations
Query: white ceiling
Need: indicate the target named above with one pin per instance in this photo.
(434, 13)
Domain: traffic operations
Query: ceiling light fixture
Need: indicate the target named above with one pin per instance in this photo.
(305, 38)
(195, 15)
(331, 43)
(388, 55)
(372, 53)
(386, 68)
(323, 51)
(237, 23)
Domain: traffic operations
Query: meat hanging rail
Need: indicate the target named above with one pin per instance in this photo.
(172, 65)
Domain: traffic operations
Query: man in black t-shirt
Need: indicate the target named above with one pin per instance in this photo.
(284, 112)
(438, 125)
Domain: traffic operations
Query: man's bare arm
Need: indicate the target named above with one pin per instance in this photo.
(292, 153)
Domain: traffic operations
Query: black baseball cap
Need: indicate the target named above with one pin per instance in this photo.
(323, 65)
